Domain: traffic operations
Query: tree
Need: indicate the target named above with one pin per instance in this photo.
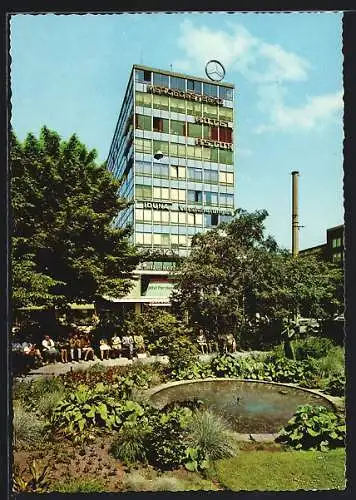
(235, 272)
(65, 247)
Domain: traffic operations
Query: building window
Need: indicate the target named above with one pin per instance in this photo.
(178, 127)
(211, 198)
(226, 177)
(211, 220)
(182, 217)
(225, 156)
(174, 217)
(143, 99)
(143, 168)
(143, 122)
(177, 194)
(160, 125)
(225, 93)
(160, 146)
(178, 105)
(160, 193)
(160, 80)
(143, 145)
(227, 200)
(210, 111)
(177, 172)
(143, 76)
(195, 174)
(143, 191)
(225, 134)
(225, 114)
(161, 102)
(336, 242)
(210, 90)
(160, 170)
(210, 176)
(195, 196)
(194, 130)
(177, 83)
(194, 86)
(139, 214)
(156, 239)
(194, 108)
(195, 219)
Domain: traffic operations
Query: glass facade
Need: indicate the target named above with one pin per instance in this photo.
(191, 188)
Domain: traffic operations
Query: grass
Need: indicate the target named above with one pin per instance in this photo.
(282, 471)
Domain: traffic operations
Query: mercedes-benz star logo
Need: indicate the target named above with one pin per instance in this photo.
(214, 70)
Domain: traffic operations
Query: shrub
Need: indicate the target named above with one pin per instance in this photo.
(194, 370)
(313, 428)
(86, 408)
(129, 446)
(166, 443)
(182, 353)
(27, 428)
(336, 386)
(209, 432)
(312, 347)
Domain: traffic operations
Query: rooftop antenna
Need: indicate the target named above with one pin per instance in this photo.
(171, 67)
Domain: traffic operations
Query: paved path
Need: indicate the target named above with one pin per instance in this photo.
(54, 369)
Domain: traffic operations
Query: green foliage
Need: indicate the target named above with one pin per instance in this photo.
(181, 353)
(194, 370)
(313, 347)
(40, 395)
(234, 271)
(166, 443)
(78, 486)
(336, 386)
(195, 459)
(333, 364)
(129, 445)
(313, 428)
(158, 328)
(28, 429)
(209, 434)
(89, 408)
(136, 481)
(64, 246)
(37, 483)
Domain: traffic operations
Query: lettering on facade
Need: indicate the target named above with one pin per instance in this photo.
(184, 208)
(154, 89)
(213, 144)
(211, 121)
(156, 206)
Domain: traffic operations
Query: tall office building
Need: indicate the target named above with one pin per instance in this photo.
(173, 152)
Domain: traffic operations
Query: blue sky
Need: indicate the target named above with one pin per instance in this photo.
(69, 72)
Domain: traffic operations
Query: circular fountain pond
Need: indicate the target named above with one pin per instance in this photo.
(248, 406)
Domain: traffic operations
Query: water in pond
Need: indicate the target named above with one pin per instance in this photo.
(249, 407)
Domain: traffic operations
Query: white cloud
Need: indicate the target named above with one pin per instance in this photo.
(268, 67)
(313, 115)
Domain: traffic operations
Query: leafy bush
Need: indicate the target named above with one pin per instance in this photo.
(313, 428)
(312, 347)
(209, 433)
(86, 408)
(336, 386)
(182, 353)
(28, 429)
(30, 393)
(129, 446)
(166, 443)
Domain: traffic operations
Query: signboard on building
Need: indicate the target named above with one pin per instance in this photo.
(213, 144)
(183, 208)
(154, 89)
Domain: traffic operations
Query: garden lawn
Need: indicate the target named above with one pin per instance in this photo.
(283, 470)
